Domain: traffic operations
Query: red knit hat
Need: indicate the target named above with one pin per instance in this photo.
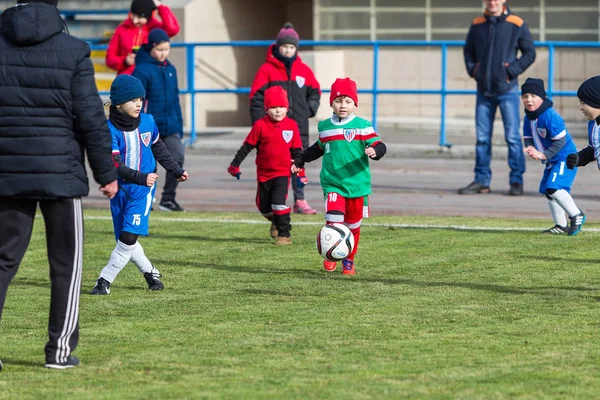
(276, 96)
(343, 87)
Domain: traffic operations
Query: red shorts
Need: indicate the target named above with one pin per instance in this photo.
(345, 210)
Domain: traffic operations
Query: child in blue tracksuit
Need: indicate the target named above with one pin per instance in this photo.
(159, 78)
(547, 139)
(136, 146)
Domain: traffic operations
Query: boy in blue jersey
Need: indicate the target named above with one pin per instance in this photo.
(159, 78)
(136, 146)
(589, 104)
(547, 139)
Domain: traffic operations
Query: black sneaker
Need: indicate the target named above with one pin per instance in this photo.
(102, 287)
(70, 363)
(474, 188)
(0, 365)
(153, 280)
(516, 189)
(576, 223)
(556, 230)
(170, 205)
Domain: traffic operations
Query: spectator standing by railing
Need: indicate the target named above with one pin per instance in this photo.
(491, 59)
(133, 33)
(283, 67)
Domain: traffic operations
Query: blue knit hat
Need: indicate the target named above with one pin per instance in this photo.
(155, 37)
(126, 88)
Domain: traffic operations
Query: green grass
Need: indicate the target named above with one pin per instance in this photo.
(431, 313)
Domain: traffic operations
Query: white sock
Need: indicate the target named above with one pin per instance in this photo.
(118, 260)
(565, 200)
(558, 214)
(138, 257)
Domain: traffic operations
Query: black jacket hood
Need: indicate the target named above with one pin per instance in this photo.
(30, 24)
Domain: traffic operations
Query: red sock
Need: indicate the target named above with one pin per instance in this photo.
(356, 233)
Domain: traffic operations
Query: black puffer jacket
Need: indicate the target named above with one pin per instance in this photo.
(50, 110)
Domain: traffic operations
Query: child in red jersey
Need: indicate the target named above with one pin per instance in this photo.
(284, 67)
(277, 141)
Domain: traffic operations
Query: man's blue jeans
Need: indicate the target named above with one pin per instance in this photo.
(485, 112)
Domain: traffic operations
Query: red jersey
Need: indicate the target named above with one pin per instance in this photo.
(128, 37)
(274, 142)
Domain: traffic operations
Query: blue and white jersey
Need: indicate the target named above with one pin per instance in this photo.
(130, 208)
(543, 131)
(135, 147)
(594, 139)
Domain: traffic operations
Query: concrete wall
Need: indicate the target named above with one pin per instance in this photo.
(227, 67)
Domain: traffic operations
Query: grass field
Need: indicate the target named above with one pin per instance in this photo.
(432, 313)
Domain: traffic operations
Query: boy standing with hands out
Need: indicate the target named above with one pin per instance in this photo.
(277, 141)
(547, 139)
(346, 143)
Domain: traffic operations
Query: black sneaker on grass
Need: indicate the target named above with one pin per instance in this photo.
(576, 223)
(102, 287)
(70, 363)
(556, 230)
(153, 280)
(170, 205)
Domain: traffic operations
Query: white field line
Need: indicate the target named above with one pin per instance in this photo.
(407, 226)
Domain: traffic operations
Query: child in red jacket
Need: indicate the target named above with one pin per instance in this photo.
(284, 67)
(133, 32)
(277, 141)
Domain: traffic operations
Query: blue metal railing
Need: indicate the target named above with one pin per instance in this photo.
(70, 14)
(375, 90)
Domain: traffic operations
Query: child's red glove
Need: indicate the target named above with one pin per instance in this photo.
(301, 178)
(234, 171)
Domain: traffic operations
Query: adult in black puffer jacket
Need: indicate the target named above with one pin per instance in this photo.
(50, 112)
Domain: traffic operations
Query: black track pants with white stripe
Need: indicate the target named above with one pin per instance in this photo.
(63, 219)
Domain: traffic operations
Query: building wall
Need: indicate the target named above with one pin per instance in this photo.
(401, 68)
(231, 67)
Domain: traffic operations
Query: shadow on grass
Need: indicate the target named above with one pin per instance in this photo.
(31, 282)
(315, 273)
(248, 270)
(7, 362)
(570, 261)
(267, 292)
(84, 289)
(236, 239)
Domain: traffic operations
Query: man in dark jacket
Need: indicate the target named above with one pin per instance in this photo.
(284, 67)
(50, 112)
(491, 59)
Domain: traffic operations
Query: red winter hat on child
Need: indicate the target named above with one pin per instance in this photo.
(343, 87)
(276, 96)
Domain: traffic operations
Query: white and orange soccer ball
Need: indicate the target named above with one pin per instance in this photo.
(335, 242)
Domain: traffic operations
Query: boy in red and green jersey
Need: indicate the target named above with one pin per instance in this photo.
(346, 143)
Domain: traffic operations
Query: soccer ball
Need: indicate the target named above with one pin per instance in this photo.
(335, 242)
